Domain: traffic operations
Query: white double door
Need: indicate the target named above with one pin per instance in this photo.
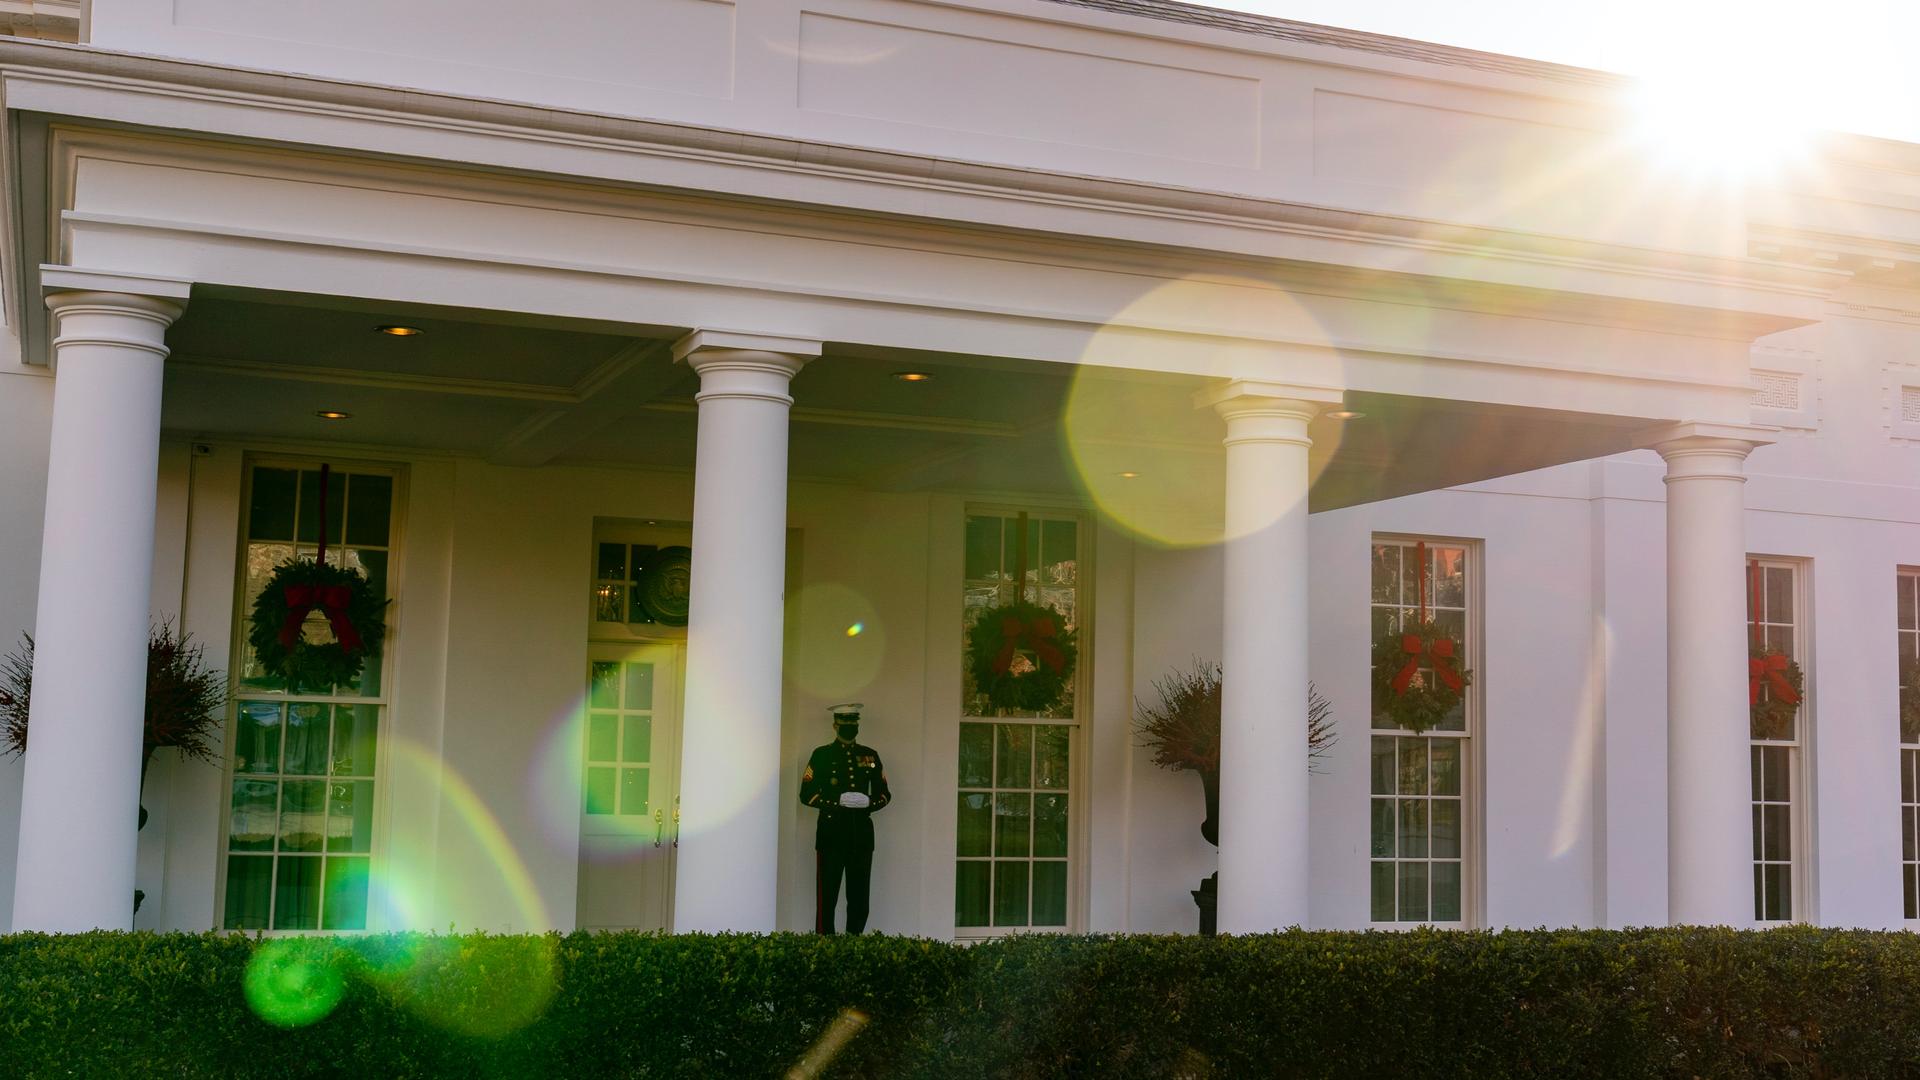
(629, 814)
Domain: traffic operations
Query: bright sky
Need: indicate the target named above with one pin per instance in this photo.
(1845, 65)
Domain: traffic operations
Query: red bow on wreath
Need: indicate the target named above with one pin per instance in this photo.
(1772, 670)
(1037, 635)
(1442, 652)
(332, 601)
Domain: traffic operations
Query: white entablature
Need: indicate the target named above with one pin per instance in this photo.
(654, 229)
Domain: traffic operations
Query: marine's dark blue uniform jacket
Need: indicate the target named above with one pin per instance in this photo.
(836, 768)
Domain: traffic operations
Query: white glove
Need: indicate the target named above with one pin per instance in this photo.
(853, 800)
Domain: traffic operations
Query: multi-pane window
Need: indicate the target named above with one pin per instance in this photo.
(1773, 626)
(620, 704)
(1908, 583)
(1419, 781)
(641, 584)
(1013, 845)
(299, 836)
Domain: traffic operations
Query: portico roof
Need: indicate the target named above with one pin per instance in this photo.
(1246, 22)
(566, 245)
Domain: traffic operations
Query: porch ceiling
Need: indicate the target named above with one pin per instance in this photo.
(258, 367)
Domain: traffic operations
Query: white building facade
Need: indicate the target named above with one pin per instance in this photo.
(762, 345)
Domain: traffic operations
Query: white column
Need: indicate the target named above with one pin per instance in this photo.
(80, 797)
(1263, 707)
(726, 876)
(1709, 819)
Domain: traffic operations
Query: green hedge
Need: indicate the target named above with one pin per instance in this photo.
(1643, 1003)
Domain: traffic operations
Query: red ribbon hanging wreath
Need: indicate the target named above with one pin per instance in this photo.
(1768, 667)
(1442, 654)
(1401, 696)
(300, 586)
(332, 600)
(1771, 670)
(1037, 635)
(1414, 645)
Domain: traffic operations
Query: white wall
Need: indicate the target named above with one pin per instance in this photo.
(26, 413)
(1177, 621)
(1015, 82)
(863, 558)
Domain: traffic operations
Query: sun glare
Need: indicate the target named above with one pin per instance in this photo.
(1719, 125)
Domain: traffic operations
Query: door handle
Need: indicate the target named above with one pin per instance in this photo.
(676, 821)
(658, 817)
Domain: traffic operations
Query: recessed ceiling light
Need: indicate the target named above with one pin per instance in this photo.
(333, 414)
(1345, 414)
(1129, 475)
(913, 376)
(397, 330)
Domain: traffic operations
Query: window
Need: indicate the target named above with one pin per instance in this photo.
(1908, 582)
(1014, 846)
(1774, 626)
(619, 751)
(641, 584)
(299, 837)
(1419, 782)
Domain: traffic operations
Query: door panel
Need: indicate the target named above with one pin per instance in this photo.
(629, 827)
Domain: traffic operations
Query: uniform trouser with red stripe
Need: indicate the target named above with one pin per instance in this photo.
(829, 866)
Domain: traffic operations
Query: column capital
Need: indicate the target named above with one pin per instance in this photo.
(1702, 451)
(1259, 411)
(1696, 435)
(1229, 396)
(68, 286)
(700, 344)
(151, 303)
(746, 366)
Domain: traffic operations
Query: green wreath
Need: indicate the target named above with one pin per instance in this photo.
(1784, 683)
(1021, 656)
(1417, 677)
(343, 596)
(1910, 699)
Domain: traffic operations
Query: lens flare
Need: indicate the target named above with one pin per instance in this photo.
(554, 784)
(293, 982)
(1722, 126)
(828, 1046)
(842, 641)
(477, 985)
(1149, 458)
(472, 875)
(1576, 788)
(477, 865)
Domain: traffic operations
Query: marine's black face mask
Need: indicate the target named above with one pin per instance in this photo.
(846, 729)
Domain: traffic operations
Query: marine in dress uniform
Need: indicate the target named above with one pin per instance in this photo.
(846, 783)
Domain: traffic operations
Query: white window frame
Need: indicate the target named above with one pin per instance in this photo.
(1800, 748)
(1472, 756)
(1078, 740)
(376, 853)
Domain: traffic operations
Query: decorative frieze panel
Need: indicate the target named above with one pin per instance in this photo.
(1786, 387)
(1900, 393)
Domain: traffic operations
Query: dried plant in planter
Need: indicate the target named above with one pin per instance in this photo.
(16, 685)
(1183, 730)
(185, 698)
